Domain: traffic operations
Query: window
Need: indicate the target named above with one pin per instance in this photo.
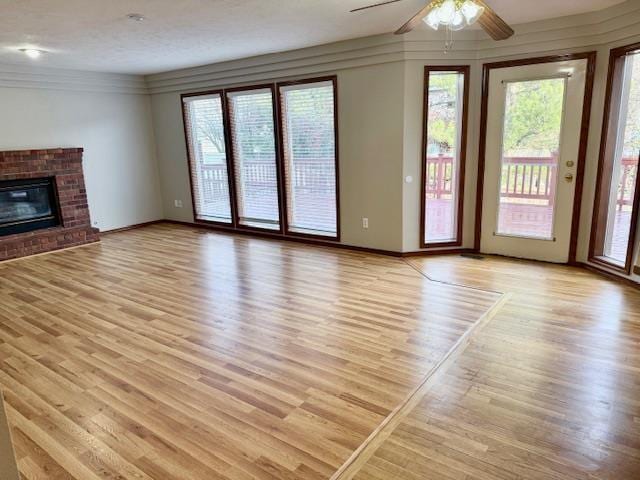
(530, 158)
(262, 161)
(444, 155)
(204, 129)
(309, 155)
(251, 120)
(618, 184)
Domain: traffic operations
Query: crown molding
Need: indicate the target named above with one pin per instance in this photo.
(586, 31)
(20, 76)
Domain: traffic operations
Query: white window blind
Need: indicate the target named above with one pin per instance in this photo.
(310, 157)
(208, 158)
(254, 158)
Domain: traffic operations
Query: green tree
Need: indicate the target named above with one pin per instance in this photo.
(533, 116)
(310, 126)
(208, 120)
(443, 113)
(632, 128)
(252, 116)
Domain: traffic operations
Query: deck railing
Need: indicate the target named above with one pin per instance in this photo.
(532, 178)
(313, 174)
(439, 177)
(628, 182)
(314, 190)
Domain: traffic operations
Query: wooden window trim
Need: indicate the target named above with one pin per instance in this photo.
(278, 160)
(334, 80)
(465, 70)
(191, 159)
(235, 225)
(603, 179)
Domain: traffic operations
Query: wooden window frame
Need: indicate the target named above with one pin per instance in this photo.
(465, 70)
(235, 225)
(191, 159)
(334, 80)
(603, 180)
(278, 159)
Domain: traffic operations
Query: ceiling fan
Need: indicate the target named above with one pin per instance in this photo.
(454, 15)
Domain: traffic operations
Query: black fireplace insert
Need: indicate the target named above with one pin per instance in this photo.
(27, 205)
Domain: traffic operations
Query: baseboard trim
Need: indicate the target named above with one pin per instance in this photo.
(130, 227)
(444, 251)
(319, 243)
(610, 275)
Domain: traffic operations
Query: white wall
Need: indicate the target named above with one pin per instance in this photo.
(113, 127)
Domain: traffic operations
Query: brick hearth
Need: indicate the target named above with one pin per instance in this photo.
(65, 164)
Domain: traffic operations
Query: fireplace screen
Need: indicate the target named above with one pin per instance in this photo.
(27, 205)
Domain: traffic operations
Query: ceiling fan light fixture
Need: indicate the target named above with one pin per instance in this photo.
(471, 11)
(455, 15)
(458, 22)
(433, 19)
(447, 12)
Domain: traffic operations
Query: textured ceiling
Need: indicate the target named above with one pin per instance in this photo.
(96, 35)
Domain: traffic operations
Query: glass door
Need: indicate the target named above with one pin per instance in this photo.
(533, 137)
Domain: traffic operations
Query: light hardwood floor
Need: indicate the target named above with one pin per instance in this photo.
(550, 389)
(175, 353)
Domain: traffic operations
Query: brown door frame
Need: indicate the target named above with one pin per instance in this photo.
(584, 134)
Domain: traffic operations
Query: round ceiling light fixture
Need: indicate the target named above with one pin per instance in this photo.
(32, 53)
(453, 15)
(136, 17)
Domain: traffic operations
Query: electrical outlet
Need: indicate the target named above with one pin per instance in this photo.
(178, 203)
(365, 222)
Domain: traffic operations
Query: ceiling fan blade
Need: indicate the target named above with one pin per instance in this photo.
(374, 5)
(415, 20)
(491, 22)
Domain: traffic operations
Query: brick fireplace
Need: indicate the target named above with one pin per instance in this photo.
(43, 202)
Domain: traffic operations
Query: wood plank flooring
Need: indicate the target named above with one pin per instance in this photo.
(175, 353)
(550, 389)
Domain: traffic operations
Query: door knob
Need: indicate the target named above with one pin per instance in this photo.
(569, 177)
